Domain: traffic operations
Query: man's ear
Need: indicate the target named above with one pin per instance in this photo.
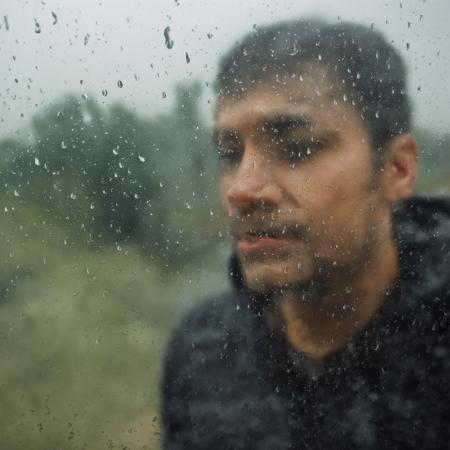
(400, 168)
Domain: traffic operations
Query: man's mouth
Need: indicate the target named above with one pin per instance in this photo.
(260, 242)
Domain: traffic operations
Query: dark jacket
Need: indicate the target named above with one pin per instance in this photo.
(230, 384)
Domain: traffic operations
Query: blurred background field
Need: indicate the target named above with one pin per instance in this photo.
(110, 224)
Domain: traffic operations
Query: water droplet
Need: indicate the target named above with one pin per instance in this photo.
(160, 184)
(407, 46)
(164, 95)
(211, 212)
(37, 162)
(84, 96)
(86, 38)
(55, 18)
(115, 151)
(63, 145)
(188, 59)
(120, 84)
(188, 206)
(136, 196)
(169, 42)
(73, 196)
(59, 114)
(16, 194)
(104, 92)
(141, 158)
(92, 206)
(5, 20)
(37, 27)
(377, 114)
(209, 35)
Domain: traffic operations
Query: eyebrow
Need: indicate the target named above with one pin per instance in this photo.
(287, 122)
(282, 123)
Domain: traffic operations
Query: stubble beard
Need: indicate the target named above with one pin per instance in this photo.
(327, 276)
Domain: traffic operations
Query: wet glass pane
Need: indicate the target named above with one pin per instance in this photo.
(112, 225)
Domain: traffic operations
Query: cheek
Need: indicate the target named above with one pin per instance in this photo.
(224, 187)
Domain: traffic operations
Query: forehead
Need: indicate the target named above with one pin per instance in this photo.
(313, 95)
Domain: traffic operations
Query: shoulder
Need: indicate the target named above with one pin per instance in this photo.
(211, 320)
(213, 379)
(209, 335)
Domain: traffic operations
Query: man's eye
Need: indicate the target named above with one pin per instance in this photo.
(228, 155)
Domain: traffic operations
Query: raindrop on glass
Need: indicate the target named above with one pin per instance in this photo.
(86, 38)
(37, 162)
(63, 145)
(141, 158)
(55, 18)
(5, 20)
(73, 196)
(120, 84)
(37, 27)
(168, 40)
(164, 95)
(188, 59)
(104, 92)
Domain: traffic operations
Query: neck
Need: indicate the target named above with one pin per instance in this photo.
(321, 327)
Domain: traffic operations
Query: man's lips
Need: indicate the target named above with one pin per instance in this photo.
(250, 243)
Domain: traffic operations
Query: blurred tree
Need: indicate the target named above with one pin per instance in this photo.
(114, 177)
(434, 161)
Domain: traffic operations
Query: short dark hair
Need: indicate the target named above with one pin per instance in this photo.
(372, 71)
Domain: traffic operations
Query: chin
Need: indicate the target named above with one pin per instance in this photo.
(261, 276)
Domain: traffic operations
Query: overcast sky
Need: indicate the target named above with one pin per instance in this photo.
(50, 47)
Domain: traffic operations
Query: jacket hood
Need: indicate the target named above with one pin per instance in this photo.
(422, 234)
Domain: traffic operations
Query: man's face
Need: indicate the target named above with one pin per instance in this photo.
(298, 182)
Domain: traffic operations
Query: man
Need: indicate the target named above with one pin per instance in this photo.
(336, 332)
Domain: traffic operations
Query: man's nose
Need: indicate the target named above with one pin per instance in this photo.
(254, 181)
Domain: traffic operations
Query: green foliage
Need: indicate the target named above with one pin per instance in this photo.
(434, 162)
(115, 177)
